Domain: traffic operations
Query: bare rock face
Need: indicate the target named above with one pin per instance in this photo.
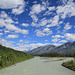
(68, 47)
(41, 50)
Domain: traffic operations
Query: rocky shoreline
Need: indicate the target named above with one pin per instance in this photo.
(53, 58)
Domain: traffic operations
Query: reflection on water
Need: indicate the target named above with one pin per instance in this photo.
(36, 66)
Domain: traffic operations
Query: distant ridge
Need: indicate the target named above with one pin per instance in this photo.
(41, 50)
(68, 47)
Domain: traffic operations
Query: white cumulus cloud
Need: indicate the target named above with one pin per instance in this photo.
(12, 36)
(37, 8)
(8, 23)
(1, 33)
(63, 41)
(8, 4)
(25, 24)
(20, 40)
(18, 10)
(70, 36)
(67, 10)
(44, 32)
(67, 27)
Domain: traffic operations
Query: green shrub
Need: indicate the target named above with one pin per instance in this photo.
(10, 56)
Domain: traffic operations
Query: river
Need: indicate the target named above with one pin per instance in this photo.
(37, 66)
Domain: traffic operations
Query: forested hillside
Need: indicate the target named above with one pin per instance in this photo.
(10, 56)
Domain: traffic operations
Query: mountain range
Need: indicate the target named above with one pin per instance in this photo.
(68, 47)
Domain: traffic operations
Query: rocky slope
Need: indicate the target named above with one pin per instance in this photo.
(68, 47)
(41, 50)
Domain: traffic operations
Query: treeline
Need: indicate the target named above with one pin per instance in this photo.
(58, 55)
(10, 56)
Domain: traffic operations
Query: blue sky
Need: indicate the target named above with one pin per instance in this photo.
(28, 24)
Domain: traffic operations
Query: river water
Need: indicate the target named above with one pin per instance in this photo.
(37, 66)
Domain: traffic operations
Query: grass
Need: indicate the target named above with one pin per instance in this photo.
(69, 64)
(10, 56)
